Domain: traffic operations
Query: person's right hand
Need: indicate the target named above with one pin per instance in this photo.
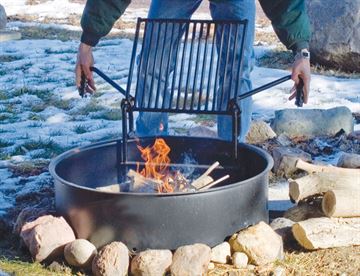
(84, 61)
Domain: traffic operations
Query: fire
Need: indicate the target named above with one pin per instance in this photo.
(157, 164)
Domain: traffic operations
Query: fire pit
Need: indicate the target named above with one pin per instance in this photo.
(154, 220)
(199, 56)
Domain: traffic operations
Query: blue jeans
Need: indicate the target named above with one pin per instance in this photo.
(148, 123)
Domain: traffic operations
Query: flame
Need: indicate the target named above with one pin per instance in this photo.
(157, 164)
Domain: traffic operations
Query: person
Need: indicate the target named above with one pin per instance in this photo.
(288, 17)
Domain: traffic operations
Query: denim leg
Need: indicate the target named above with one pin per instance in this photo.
(153, 81)
(238, 9)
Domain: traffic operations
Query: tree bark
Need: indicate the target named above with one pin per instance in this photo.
(325, 232)
(341, 203)
(311, 168)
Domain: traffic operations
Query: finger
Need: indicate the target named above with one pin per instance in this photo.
(293, 93)
(295, 77)
(89, 76)
(88, 89)
(91, 83)
(306, 89)
(78, 75)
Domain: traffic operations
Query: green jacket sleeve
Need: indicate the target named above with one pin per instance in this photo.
(290, 22)
(98, 18)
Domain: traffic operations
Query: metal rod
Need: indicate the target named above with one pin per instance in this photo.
(203, 66)
(264, 87)
(168, 66)
(158, 91)
(108, 80)
(141, 61)
(240, 67)
(178, 39)
(231, 90)
(222, 91)
(210, 69)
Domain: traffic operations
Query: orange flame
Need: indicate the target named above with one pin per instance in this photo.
(157, 164)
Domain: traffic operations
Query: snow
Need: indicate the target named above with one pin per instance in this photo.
(40, 109)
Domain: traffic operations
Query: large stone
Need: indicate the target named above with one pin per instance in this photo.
(260, 243)
(259, 132)
(113, 259)
(3, 17)
(151, 263)
(191, 260)
(46, 237)
(349, 160)
(313, 122)
(80, 253)
(285, 160)
(282, 226)
(28, 214)
(335, 37)
(221, 253)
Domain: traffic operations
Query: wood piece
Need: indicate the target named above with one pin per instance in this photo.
(321, 182)
(311, 168)
(305, 210)
(140, 182)
(326, 232)
(114, 188)
(341, 203)
(204, 179)
(214, 183)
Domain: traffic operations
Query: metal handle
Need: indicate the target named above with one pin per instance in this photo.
(108, 80)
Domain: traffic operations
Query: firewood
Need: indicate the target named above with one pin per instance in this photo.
(311, 168)
(205, 179)
(326, 232)
(114, 188)
(140, 182)
(321, 182)
(208, 186)
(341, 203)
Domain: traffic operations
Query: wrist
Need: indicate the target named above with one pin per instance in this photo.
(302, 54)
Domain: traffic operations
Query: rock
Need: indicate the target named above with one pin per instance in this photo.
(285, 159)
(349, 160)
(3, 17)
(191, 260)
(26, 215)
(201, 131)
(240, 260)
(282, 226)
(211, 266)
(46, 236)
(113, 259)
(260, 243)
(259, 132)
(279, 271)
(312, 122)
(80, 253)
(335, 39)
(283, 140)
(151, 263)
(221, 253)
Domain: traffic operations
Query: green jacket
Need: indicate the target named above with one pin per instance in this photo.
(288, 17)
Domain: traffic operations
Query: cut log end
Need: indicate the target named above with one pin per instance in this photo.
(329, 203)
(301, 237)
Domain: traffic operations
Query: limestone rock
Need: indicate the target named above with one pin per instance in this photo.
(313, 122)
(26, 215)
(260, 243)
(259, 132)
(46, 236)
(285, 159)
(240, 260)
(3, 17)
(335, 39)
(349, 160)
(191, 260)
(221, 253)
(80, 253)
(113, 259)
(151, 263)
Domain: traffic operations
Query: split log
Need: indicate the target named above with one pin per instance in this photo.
(305, 210)
(208, 186)
(205, 179)
(325, 232)
(321, 182)
(114, 188)
(311, 168)
(139, 182)
(341, 203)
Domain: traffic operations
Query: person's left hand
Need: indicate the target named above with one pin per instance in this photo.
(301, 69)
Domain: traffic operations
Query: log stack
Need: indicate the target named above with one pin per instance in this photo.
(339, 189)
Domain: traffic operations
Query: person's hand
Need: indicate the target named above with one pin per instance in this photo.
(301, 69)
(84, 61)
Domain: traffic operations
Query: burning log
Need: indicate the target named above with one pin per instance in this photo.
(321, 179)
(139, 182)
(114, 188)
(325, 232)
(341, 203)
